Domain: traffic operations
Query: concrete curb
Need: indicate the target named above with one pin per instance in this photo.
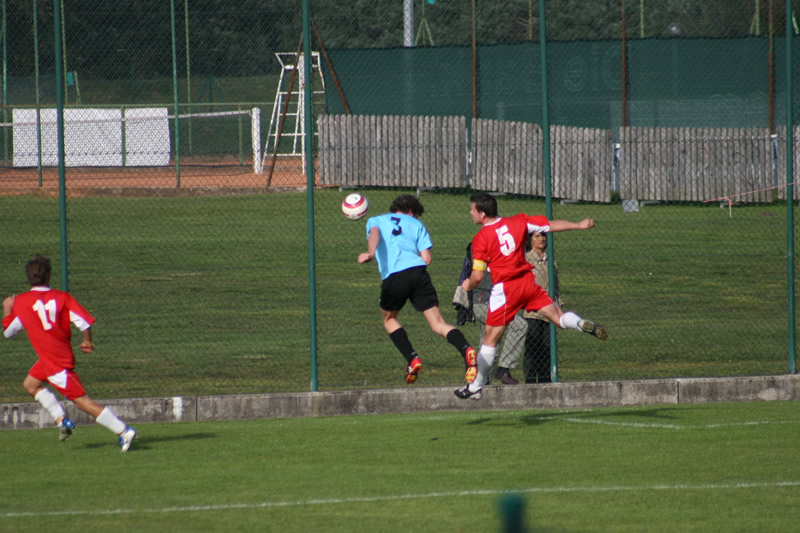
(30, 415)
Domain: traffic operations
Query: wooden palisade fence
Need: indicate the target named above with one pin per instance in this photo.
(392, 151)
(659, 164)
(781, 161)
(696, 164)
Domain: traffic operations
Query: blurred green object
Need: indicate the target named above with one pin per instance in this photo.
(512, 512)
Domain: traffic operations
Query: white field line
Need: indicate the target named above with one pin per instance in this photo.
(401, 497)
(672, 426)
(624, 424)
(754, 423)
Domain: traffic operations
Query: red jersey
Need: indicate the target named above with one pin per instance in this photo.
(500, 245)
(46, 314)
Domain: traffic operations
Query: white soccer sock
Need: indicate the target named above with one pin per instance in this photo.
(108, 419)
(485, 361)
(570, 320)
(49, 401)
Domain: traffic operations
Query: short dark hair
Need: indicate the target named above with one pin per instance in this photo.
(485, 203)
(407, 203)
(38, 271)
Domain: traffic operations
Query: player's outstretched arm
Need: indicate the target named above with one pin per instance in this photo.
(86, 345)
(566, 225)
(8, 305)
(473, 280)
(426, 256)
(373, 241)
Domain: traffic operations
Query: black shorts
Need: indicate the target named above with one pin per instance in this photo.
(413, 284)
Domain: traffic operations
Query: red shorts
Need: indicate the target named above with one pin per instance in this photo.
(64, 380)
(510, 296)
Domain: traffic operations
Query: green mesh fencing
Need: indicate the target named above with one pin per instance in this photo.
(670, 82)
(187, 222)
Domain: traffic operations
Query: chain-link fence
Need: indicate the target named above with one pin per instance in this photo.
(186, 226)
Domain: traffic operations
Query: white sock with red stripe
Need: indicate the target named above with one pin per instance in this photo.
(49, 401)
(108, 419)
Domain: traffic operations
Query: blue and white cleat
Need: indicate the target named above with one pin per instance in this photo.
(126, 439)
(66, 427)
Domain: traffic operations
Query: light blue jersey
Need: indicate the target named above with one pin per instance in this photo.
(403, 237)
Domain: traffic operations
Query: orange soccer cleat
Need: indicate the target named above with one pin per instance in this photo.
(471, 358)
(413, 369)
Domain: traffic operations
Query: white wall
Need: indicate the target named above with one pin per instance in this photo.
(93, 137)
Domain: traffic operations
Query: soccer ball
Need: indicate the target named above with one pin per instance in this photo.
(355, 206)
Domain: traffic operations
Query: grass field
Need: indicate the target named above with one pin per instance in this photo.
(710, 467)
(210, 295)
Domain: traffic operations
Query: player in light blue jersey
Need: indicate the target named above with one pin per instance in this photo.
(401, 245)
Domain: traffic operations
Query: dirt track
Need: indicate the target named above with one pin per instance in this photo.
(195, 178)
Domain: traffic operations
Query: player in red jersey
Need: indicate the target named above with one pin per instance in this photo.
(499, 247)
(46, 315)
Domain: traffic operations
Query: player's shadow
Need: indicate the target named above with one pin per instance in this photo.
(663, 414)
(143, 443)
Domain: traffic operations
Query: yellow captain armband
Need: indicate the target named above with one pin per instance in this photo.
(478, 265)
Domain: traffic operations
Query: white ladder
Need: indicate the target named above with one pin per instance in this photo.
(294, 124)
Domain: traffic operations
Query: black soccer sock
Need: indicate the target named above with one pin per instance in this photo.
(457, 339)
(400, 340)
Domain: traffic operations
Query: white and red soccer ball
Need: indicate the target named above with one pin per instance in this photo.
(355, 206)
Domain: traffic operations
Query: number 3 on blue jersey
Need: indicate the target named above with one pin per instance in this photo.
(397, 230)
